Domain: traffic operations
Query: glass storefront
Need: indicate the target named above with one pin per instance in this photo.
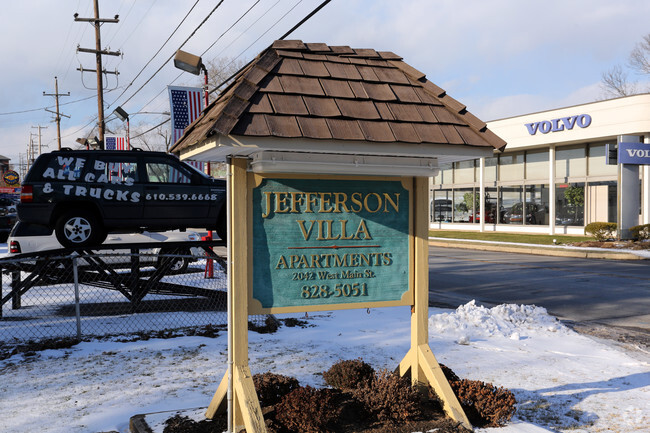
(585, 188)
(537, 205)
(570, 162)
(441, 206)
(569, 204)
(511, 167)
(511, 199)
(601, 202)
(464, 202)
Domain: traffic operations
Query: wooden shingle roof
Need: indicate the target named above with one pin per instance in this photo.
(315, 91)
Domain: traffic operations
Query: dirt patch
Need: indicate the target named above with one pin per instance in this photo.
(635, 339)
(615, 245)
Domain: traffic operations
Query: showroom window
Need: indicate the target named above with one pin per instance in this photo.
(463, 204)
(464, 172)
(597, 162)
(491, 169)
(491, 207)
(536, 205)
(445, 176)
(537, 165)
(569, 204)
(601, 201)
(441, 208)
(511, 199)
(511, 167)
(570, 162)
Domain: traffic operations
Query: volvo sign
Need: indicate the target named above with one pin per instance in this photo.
(634, 153)
(559, 124)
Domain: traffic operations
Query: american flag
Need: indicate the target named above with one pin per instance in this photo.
(115, 143)
(199, 165)
(177, 177)
(186, 105)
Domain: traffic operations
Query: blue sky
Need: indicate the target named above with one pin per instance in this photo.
(501, 58)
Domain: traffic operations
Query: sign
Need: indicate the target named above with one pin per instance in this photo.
(634, 153)
(11, 177)
(560, 124)
(318, 243)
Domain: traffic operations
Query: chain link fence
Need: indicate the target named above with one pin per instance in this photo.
(88, 294)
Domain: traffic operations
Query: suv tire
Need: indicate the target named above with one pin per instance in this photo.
(175, 265)
(79, 228)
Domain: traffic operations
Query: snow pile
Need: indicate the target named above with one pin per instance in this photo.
(471, 321)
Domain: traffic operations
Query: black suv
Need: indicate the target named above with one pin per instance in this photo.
(84, 194)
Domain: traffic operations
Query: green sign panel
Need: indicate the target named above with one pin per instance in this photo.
(324, 242)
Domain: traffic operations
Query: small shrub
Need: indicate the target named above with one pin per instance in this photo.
(349, 374)
(449, 373)
(484, 404)
(601, 231)
(390, 398)
(272, 387)
(641, 233)
(271, 324)
(308, 410)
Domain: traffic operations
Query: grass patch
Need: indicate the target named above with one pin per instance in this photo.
(510, 237)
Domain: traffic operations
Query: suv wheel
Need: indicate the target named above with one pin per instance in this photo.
(176, 265)
(78, 229)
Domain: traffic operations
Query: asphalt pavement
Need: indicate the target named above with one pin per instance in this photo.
(587, 287)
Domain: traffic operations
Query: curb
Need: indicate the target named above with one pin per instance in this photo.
(541, 250)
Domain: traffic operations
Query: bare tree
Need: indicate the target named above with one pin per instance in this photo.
(157, 138)
(615, 82)
(222, 68)
(639, 59)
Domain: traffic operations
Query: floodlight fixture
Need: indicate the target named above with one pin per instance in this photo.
(121, 114)
(194, 65)
(188, 62)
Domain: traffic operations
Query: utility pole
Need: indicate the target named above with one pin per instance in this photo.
(39, 127)
(56, 95)
(96, 21)
(30, 149)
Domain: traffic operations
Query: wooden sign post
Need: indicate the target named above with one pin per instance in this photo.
(308, 243)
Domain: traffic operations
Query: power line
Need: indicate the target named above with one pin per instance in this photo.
(233, 25)
(247, 29)
(151, 129)
(241, 33)
(300, 23)
(170, 57)
(294, 28)
(157, 52)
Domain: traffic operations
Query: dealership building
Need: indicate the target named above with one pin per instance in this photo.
(558, 173)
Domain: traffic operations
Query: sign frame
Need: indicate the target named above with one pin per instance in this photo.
(255, 180)
(236, 390)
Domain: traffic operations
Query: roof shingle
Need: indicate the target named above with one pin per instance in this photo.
(317, 91)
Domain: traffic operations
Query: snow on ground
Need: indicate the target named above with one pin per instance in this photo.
(563, 381)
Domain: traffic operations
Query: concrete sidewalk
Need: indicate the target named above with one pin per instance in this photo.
(544, 250)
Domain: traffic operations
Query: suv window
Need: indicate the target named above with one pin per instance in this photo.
(165, 172)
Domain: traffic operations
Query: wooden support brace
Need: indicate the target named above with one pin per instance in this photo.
(218, 404)
(249, 405)
(425, 370)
